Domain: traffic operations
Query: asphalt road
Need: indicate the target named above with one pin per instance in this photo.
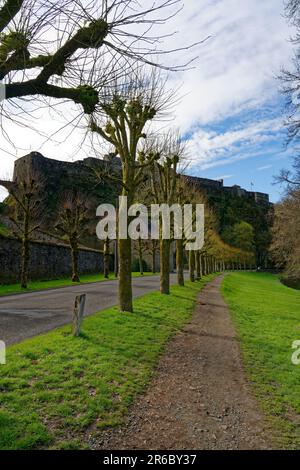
(26, 315)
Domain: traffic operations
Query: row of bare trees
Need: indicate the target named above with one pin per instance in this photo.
(83, 51)
(27, 208)
(103, 56)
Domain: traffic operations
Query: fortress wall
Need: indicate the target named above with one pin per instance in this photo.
(47, 261)
(58, 174)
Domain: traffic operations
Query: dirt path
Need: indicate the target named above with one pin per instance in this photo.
(199, 397)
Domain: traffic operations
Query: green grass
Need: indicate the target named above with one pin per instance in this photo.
(4, 230)
(6, 289)
(267, 318)
(55, 388)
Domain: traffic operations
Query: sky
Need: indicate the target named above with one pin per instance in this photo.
(230, 111)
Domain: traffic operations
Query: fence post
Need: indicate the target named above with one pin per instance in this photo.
(78, 313)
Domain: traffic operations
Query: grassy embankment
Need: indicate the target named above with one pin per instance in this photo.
(267, 318)
(6, 289)
(55, 387)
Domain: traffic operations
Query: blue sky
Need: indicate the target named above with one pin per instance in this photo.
(233, 119)
(230, 112)
(247, 149)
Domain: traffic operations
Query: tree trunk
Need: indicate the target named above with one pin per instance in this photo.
(207, 265)
(204, 265)
(106, 258)
(165, 266)
(74, 254)
(116, 260)
(25, 262)
(125, 281)
(25, 249)
(198, 264)
(116, 244)
(192, 265)
(153, 256)
(179, 262)
(141, 257)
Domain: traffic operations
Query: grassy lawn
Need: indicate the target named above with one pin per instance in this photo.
(54, 387)
(41, 285)
(267, 318)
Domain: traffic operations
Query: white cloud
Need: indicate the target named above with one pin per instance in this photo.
(3, 193)
(237, 65)
(265, 167)
(234, 73)
(208, 149)
(224, 177)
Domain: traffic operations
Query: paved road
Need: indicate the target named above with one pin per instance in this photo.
(26, 315)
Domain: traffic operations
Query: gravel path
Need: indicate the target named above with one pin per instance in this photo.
(199, 397)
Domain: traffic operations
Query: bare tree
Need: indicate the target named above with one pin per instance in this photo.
(291, 78)
(72, 222)
(69, 49)
(123, 114)
(142, 247)
(291, 89)
(291, 178)
(106, 257)
(192, 265)
(164, 180)
(285, 247)
(187, 194)
(26, 214)
(153, 248)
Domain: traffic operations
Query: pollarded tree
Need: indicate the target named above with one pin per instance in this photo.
(124, 112)
(164, 180)
(64, 49)
(26, 214)
(72, 223)
(188, 193)
(106, 257)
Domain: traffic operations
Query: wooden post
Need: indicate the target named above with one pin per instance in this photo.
(78, 313)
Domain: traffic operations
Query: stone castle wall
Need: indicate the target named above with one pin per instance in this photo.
(58, 174)
(47, 261)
